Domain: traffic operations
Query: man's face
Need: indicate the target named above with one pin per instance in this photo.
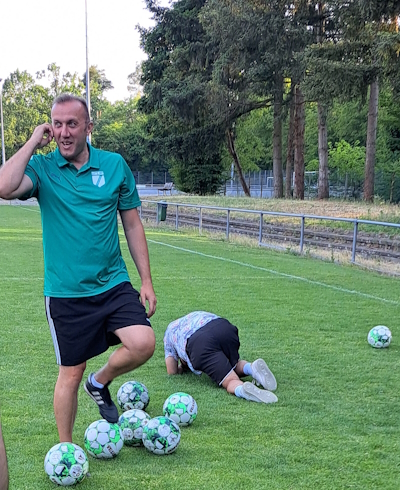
(71, 127)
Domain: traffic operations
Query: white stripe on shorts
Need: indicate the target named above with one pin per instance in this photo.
(52, 330)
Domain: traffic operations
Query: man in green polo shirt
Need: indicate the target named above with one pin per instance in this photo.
(90, 302)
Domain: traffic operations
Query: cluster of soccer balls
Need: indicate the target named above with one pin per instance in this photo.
(67, 464)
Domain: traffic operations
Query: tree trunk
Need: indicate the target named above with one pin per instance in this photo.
(371, 142)
(234, 155)
(290, 150)
(298, 191)
(392, 180)
(277, 139)
(323, 181)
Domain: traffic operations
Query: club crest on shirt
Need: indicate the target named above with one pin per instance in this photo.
(98, 178)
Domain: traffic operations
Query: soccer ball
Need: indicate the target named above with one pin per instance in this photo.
(133, 394)
(66, 464)
(181, 408)
(379, 337)
(103, 440)
(161, 435)
(131, 423)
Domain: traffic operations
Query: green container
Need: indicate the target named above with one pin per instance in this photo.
(161, 211)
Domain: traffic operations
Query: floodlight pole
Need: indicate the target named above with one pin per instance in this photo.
(87, 69)
(3, 150)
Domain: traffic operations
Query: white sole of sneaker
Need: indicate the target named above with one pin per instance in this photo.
(254, 394)
(263, 375)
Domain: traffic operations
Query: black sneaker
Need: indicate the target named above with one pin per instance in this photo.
(102, 397)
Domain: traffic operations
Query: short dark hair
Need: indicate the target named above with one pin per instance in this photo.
(65, 97)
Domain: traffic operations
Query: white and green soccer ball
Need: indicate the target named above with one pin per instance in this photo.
(379, 337)
(132, 423)
(133, 394)
(103, 440)
(66, 464)
(181, 408)
(161, 435)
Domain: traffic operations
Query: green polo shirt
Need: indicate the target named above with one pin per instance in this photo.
(82, 255)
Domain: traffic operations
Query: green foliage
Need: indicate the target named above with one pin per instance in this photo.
(253, 141)
(25, 106)
(181, 130)
(99, 84)
(196, 166)
(348, 159)
(198, 176)
(68, 82)
(348, 121)
(122, 129)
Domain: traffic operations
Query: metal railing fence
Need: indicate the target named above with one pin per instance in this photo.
(261, 214)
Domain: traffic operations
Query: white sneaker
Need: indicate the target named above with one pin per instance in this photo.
(254, 394)
(262, 374)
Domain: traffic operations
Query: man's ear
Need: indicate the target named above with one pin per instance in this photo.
(89, 128)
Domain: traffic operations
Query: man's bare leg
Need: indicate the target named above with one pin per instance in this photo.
(231, 382)
(66, 399)
(138, 344)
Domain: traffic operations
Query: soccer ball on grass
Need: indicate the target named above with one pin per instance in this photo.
(181, 408)
(161, 435)
(132, 423)
(379, 337)
(133, 394)
(66, 464)
(103, 440)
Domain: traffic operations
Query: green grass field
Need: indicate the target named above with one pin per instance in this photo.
(336, 424)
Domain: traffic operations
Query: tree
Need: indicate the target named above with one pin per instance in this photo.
(290, 151)
(99, 84)
(255, 42)
(68, 82)
(122, 129)
(25, 106)
(353, 61)
(298, 192)
(176, 76)
(349, 161)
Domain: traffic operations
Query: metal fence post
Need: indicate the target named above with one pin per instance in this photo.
(177, 217)
(353, 250)
(302, 234)
(200, 219)
(261, 229)
(227, 223)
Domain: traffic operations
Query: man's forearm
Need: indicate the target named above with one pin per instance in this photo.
(137, 245)
(12, 172)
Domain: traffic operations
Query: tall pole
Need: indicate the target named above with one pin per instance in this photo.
(3, 149)
(87, 68)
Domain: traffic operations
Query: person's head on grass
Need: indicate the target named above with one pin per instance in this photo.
(71, 126)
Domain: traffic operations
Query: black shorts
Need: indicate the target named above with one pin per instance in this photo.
(214, 349)
(83, 328)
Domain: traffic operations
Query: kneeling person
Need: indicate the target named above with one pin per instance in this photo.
(207, 343)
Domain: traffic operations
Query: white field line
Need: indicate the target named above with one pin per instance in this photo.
(282, 274)
(271, 271)
(24, 278)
